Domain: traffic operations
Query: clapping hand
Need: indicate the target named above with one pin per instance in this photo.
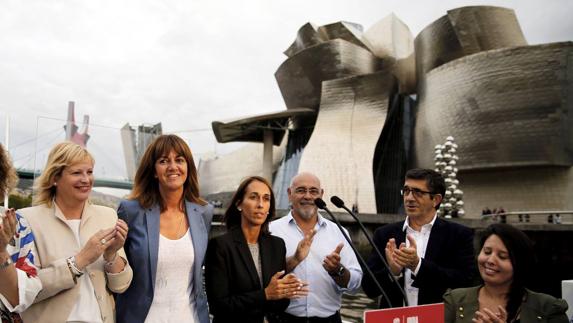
(118, 241)
(331, 262)
(407, 256)
(288, 286)
(391, 248)
(488, 316)
(303, 247)
(95, 247)
(8, 225)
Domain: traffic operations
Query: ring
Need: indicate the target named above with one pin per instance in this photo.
(103, 241)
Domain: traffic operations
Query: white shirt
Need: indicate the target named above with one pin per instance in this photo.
(28, 286)
(172, 301)
(324, 298)
(86, 308)
(421, 237)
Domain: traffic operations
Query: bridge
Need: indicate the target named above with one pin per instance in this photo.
(99, 182)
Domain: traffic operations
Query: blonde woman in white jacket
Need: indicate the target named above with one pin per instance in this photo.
(79, 245)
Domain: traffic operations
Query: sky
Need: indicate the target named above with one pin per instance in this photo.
(181, 63)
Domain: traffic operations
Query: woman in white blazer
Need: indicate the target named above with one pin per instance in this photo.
(79, 246)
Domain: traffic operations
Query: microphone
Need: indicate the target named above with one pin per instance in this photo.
(322, 205)
(337, 201)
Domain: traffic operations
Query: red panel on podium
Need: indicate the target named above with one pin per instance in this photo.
(432, 313)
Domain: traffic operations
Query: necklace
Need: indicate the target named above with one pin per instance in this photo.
(180, 224)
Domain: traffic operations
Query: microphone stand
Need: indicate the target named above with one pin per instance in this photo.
(322, 205)
(340, 204)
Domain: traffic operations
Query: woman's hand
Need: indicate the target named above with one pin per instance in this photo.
(117, 243)
(7, 228)
(288, 286)
(95, 247)
(488, 316)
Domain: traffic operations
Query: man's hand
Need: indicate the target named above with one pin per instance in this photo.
(407, 256)
(390, 258)
(331, 262)
(301, 252)
(303, 247)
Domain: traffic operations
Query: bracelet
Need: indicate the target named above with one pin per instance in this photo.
(71, 271)
(6, 263)
(73, 267)
(111, 262)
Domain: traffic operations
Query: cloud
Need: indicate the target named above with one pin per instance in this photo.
(182, 63)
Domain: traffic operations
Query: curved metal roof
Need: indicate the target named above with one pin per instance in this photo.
(252, 128)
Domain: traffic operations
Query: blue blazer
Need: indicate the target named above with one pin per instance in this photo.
(142, 246)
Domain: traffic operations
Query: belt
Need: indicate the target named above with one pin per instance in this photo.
(288, 318)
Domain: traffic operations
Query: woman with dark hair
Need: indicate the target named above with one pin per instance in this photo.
(505, 264)
(168, 231)
(245, 268)
(18, 274)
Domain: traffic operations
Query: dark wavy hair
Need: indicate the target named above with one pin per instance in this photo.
(233, 215)
(521, 255)
(8, 177)
(146, 185)
(434, 180)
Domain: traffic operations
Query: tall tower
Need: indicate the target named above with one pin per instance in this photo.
(72, 134)
(135, 144)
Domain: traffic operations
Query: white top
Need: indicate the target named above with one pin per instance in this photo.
(421, 237)
(86, 308)
(172, 301)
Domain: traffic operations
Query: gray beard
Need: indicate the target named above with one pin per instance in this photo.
(306, 213)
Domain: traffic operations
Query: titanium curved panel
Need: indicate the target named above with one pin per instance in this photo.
(391, 40)
(306, 36)
(224, 173)
(506, 108)
(300, 76)
(465, 31)
(341, 149)
(349, 31)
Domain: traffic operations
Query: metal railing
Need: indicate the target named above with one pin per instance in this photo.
(537, 217)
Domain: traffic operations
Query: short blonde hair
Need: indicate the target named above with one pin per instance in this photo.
(8, 177)
(61, 156)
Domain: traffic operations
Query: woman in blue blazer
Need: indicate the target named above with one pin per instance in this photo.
(168, 233)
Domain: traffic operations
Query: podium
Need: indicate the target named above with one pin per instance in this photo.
(567, 295)
(431, 313)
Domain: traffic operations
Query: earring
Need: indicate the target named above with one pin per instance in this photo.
(240, 210)
(55, 184)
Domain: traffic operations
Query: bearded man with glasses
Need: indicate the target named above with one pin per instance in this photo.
(323, 259)
(427, 254)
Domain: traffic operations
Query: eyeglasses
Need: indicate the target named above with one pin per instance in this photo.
(302, 191)
(416, 192)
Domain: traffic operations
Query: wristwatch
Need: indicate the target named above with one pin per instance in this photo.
(338, 272)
